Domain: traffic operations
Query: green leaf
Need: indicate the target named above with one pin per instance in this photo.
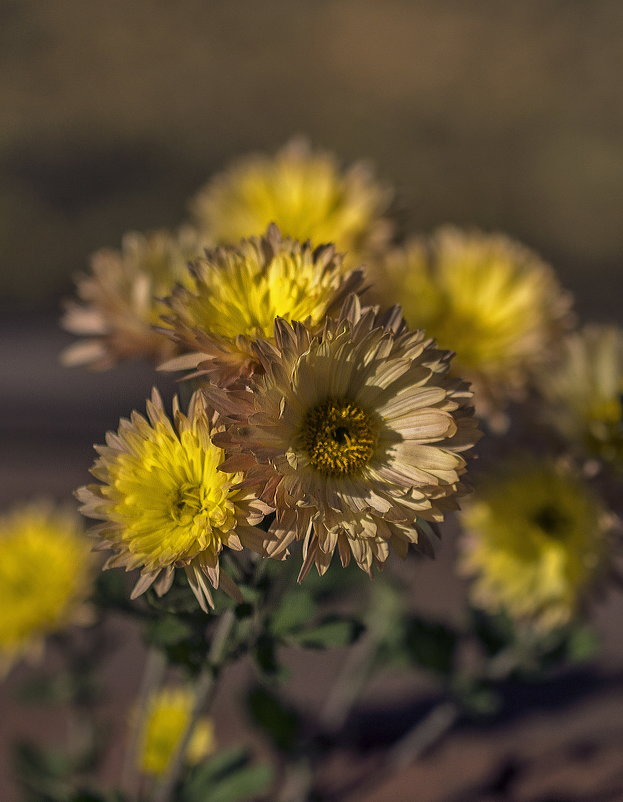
(221, 765)
(296, 609)
(246, 784)
(582, 644)
(495, 632)
(40, 690)
(168, 630)
(330, 633)
(431, 645)
(279, 721)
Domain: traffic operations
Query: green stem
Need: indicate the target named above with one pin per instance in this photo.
(153, 673)
(349, 685)
(205, 690)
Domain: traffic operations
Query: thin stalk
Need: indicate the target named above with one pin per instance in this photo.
(153, 673)
(349, 685)
(205, 690)
(413, 745)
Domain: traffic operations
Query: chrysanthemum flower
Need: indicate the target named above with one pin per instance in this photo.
(120, 299)
(45, 578)
(237, 292)
(585, 392)
(165, 504)
(168, 715)
(536, 540)
(489, 299)
(353, 434)
(304, 192)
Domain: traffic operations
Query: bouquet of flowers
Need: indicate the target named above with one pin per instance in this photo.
(333, 380)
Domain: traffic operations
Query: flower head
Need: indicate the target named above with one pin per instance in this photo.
(168, 715)
(585, 392)
(120, 301)
(237, 292)
(45, 578)
(491, 300)
(304, 192)
(353, 434)
(164, 503)
(536, 540)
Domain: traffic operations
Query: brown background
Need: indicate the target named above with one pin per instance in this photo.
(497, 114)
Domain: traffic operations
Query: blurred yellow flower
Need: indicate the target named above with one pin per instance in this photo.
(120, 299)
(489, 299)
(45, 578)
(165, 503)
(304, 192)
(585, 392)
(168, 714)
(537, 537)
(237, 292)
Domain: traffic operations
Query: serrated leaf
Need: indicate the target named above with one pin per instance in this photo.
(278, 720)
(330, 633)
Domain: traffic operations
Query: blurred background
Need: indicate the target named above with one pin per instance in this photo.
(494, 114)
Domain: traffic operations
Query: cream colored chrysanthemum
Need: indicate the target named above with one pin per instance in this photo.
(352, 433)
(585, 392)
(120, 299)
(304, 192)
(165, 504)
(489, 299)
(46, 575)
(536, 540)
(237, 292)
(168, 715)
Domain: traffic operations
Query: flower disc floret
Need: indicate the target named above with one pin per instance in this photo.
(584, 393)
(339, 437)
(488, 298)
(536, 542)
(304, 192)
(237, 292)
(353, 434)
(120, 300)
(165, 503)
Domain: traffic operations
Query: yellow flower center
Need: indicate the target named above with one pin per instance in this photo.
(551, 520)
(339, 437)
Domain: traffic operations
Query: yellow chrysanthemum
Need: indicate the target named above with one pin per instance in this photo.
(353, 434)
(536, 539)
(585, 392)
(489, 299)
(304, 192)
(168, 715)
(237, 292)
(120, 299)
(45, 578)
(165, 503)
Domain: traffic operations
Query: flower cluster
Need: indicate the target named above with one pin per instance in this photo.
(322, 420)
